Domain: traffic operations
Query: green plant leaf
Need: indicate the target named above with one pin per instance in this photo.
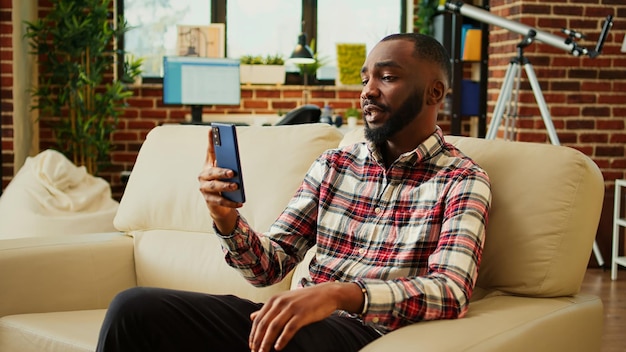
(74, 42)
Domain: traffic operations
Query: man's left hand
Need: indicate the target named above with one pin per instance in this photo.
(284, 314)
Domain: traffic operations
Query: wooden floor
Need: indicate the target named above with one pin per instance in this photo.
(613, 294)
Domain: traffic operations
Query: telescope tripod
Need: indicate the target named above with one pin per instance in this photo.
(509, 102)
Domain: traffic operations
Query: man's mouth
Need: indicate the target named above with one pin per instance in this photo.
(371, 112)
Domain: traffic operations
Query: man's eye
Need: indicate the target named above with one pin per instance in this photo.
(364, 82)
(387, 78)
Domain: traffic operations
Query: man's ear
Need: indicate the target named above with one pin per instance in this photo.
(437, 92)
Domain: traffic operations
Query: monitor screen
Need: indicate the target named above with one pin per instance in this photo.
(201, 81)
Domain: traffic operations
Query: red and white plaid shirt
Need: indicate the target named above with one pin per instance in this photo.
(412, 234)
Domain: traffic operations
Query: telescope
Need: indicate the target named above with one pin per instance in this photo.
(568, 44)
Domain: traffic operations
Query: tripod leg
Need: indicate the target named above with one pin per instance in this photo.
(545, 113)
(598, 254)
(503, 98)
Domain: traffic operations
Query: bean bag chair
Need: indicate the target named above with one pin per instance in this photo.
(51, 196)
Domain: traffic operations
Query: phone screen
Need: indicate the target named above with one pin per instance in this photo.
(227, 157)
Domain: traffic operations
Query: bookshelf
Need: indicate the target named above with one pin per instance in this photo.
(467, 41)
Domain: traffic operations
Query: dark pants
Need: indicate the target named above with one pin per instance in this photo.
(154, 319)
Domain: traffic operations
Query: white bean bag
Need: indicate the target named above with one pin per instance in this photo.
(51, 196)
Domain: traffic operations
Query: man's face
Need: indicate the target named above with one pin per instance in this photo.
(397, 120)
(393, 91)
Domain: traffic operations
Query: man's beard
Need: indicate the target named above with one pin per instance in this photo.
(407, 112)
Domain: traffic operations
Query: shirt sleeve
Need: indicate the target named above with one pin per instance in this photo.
(266, 258)
(445, 291)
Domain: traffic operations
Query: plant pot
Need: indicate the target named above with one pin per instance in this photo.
(262, 74)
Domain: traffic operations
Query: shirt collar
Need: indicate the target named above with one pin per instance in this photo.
(430, 147)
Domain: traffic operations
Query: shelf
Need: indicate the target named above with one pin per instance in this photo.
(449, 30)
(618, 222)
(621, 261)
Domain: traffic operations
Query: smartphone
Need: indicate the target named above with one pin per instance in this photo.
(227, 157)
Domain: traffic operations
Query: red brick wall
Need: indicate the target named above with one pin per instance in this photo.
(6, 90)
(586, 97)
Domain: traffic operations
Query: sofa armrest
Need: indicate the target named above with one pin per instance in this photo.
(506, 323)
(44, 274)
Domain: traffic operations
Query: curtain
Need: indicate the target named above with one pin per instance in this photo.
(25, 129)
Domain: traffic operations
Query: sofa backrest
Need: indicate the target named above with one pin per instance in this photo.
(163, 208)
(545, 209)
(546, 204)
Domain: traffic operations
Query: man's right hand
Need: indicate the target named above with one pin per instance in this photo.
(211, 186)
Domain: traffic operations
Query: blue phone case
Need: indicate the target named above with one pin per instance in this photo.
(227, 157)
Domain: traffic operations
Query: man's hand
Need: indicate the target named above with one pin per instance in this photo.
(284, 314)
(211, 186)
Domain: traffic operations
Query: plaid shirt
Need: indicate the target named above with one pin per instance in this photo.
(411, 235)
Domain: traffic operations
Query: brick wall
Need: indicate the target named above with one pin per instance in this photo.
(586, 97)
(6, 91)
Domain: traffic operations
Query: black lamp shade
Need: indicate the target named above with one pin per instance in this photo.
(302, 54)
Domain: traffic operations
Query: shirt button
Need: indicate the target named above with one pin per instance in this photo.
(361, 250)
(377, 210)
(375, 320)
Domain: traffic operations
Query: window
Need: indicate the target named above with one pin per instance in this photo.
(352, 21)
(254, 27)
(153, 34)
(265, 27)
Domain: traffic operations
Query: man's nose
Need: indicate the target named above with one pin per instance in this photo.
(369, 90)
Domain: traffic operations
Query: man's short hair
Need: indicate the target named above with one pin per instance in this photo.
(427, 48)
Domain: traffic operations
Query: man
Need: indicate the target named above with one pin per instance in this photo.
(398, 222)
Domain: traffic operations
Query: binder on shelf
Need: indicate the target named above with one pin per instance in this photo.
(464, 29)
(471, 44)
(469, 97)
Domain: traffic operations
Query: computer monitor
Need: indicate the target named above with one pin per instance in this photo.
(200, 81)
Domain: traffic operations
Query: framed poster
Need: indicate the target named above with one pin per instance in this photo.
(201, 41)
(350, 58)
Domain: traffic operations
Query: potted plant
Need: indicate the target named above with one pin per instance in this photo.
(426, 11)
(353, 116)
(262, 70)
(76, 93)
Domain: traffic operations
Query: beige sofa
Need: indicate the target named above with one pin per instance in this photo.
(546, 207)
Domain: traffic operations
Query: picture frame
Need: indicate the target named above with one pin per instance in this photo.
(201, 41)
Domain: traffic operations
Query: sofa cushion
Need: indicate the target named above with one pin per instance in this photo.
(192, 261)
(47, 274)
(162, 191)
(506, 324)
(165, 212)
(545, 211)
(59, 331)
(544, 214)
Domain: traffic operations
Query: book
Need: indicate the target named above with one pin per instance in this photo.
(472, 45)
